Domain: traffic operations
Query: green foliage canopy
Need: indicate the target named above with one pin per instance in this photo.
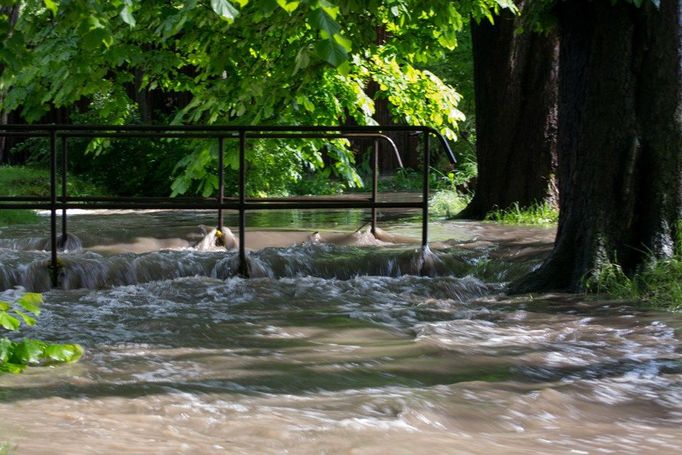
(237, 62)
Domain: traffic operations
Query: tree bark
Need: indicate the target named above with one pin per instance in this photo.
(620, 139)
(515, 82)
(143, 98)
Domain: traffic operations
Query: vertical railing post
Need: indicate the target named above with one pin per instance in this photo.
(375, 184)
(64, 190)
(243, 269)
(221, 181)
(54, 260)
(425, 191)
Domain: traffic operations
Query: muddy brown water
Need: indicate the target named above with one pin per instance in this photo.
(334, 348)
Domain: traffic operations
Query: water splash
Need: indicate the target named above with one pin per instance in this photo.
(215, 239)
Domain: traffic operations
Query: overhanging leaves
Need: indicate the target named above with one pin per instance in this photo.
(127, 15)
(288, 6)
(224, 9)
(331, 51)
(31, 302)
(28, 352)
(52, 6)
(324, 22)
(63, 352)
(8, 322)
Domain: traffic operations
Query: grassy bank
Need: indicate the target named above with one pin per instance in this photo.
(33, 181)
(657, 285)
(539, 214)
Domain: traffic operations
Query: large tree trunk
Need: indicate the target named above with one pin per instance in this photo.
(620, 139)
(515, 81)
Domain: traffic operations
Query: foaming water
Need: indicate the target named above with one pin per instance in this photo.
(97, 269)
(337, 348)
(309, 365)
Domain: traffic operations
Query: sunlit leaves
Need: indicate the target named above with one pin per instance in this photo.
(6, 348)
(11, 314)
(126, 13)
(62, 353)
(28, 320)
(237, 62)
(418, 97)
(52, 6)
(328, 7)
(27, 352)
(324, 22)
(288, 6)
(8, 321)
(31, 301)
(224, 9)
(16, 355)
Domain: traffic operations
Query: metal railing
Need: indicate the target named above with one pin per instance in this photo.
(60, 134)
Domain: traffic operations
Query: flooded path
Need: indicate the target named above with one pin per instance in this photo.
(337, 348)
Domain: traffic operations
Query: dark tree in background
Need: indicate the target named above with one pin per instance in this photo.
(515, 79)
(9, 15)
(620, 139)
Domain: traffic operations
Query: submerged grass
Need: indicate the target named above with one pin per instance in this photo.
(544, 213)
(33, 181)
(657, 285)
(9, 217)
(447, 203)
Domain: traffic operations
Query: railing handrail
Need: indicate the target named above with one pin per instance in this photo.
(241, 203)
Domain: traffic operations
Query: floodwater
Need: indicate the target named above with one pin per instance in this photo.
(335, 346)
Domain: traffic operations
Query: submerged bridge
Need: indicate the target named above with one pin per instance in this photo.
(58, 137)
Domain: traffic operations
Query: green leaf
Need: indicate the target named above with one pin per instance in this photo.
(179, 186)
(302, 60)
(28, 351)
(52, 6)
(6, 349)
(331, 51)
(344, 68)
(288, 6)
(224, 9)
(96, 37)
(63, 352)
(4, 306)
(9, 322)
(127, 15)
(28, 320)
(11, 368)
(344, 42)
(329, 8)
(31, 302)
(324, 22)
